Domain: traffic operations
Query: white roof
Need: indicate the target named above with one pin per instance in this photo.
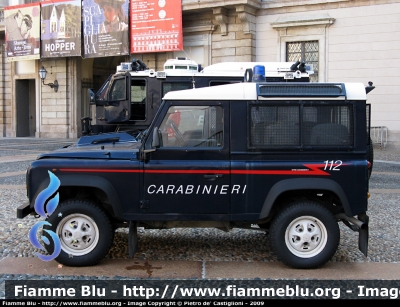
(356, 91)
(235, 91)
(248, 91)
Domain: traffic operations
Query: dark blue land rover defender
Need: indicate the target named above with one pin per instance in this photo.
(291, 159)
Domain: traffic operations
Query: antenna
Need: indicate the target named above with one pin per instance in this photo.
(187, 56)
(199, 68)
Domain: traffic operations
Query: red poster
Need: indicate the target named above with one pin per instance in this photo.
(22, 28)
(156, 26)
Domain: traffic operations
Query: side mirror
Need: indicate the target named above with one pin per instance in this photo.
(155, 143)
(92, 96)
(156, 138)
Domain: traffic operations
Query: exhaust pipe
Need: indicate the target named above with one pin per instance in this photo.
(350, 219)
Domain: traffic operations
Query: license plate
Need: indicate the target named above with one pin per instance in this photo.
(289, 75)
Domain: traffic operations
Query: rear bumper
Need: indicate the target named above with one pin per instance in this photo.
(24, 210)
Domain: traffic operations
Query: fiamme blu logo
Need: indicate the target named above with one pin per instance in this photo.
(51, 205)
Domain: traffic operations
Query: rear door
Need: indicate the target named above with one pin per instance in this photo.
(190, 172)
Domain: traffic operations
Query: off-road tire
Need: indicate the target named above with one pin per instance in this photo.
(304, 235)
(84, 230)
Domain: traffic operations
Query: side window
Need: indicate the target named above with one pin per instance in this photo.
(334, 127)
(275, 126)
(308, 125)
(175, 86)
(138, 100)
(118, 90)
(138, 92)
(193, 126)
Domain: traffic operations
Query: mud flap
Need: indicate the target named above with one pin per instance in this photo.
(363, 234)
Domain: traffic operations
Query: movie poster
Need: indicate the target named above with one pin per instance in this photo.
(61, 28)
(22, 31)
(156, 26)
(105, 25)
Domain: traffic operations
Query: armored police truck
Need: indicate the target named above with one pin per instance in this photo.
(290, 159)
(130, 98)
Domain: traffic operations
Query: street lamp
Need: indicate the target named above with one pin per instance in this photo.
(42, 75)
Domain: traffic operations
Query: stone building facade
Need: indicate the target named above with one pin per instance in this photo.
(346, 41)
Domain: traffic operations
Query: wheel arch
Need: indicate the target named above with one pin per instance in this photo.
(294, 184)
(94, 183)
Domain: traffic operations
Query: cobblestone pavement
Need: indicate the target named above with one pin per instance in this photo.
(200, 244)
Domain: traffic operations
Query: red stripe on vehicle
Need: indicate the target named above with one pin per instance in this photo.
(192, 171)
(311, 169)
(92, 170)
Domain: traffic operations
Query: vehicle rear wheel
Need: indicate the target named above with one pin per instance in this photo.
(305, 235)
(84, 230)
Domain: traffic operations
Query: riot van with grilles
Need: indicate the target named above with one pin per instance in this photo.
(289, 159)
(130, 98)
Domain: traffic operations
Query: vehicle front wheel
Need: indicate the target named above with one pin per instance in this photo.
(84, 230)
(305, 235)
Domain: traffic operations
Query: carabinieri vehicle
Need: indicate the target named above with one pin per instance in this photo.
(290, 159)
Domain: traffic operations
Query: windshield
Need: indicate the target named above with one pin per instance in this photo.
(101, 93)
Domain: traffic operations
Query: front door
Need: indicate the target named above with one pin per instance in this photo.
(190, 172)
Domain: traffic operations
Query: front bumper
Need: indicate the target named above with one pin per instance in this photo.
(24, 210)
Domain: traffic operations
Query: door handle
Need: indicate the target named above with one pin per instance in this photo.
(213, 177)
